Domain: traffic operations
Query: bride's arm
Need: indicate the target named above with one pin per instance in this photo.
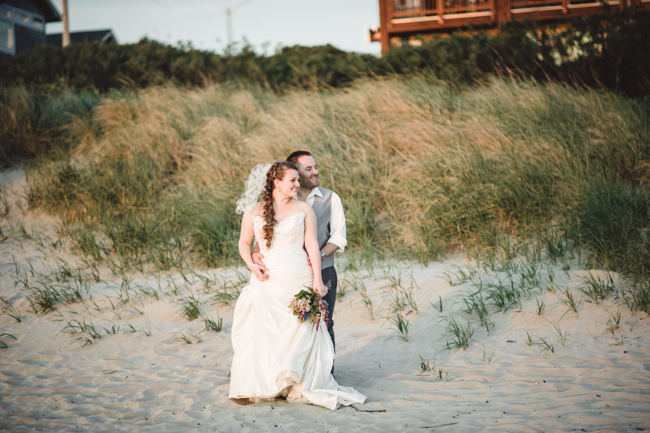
(311, 245)
(245, 239)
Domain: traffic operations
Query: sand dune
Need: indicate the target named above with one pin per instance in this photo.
(129, 381)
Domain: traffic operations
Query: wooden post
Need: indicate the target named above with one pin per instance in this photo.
(503, 11)
(66, 30)
(500, 12)
(565, 6)
(384, 21)
(441, 10)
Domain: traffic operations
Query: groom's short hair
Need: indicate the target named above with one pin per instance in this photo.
(297, 154)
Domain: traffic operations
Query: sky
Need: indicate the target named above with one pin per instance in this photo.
(264, 23)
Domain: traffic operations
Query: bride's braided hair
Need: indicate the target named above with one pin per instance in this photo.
(276, 171)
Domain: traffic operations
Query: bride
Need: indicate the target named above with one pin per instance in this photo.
(277, 355)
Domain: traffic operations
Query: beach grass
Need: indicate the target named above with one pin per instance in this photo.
(3, 344)
(597, 289)
(570, 301)
(462, 333)
(401, 325)
(191, 307)
(10, 310)
(146, 180)
(212, 325)
(367, 303)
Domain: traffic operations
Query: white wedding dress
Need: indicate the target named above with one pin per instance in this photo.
(276, 354)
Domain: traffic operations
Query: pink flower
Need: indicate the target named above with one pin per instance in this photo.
(308, 305)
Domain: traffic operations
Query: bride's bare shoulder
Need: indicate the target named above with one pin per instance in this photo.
(257, 210)
(302, 206)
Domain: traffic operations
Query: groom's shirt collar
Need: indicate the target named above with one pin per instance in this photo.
(314, 192)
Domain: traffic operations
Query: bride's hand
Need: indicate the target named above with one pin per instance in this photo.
(260, 272)
(321, 289)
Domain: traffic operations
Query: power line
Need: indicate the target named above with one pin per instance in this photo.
(189, 14)
(241, 4)
(228, 14)
(195, 15)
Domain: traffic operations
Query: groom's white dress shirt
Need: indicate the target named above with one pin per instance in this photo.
(337, 218)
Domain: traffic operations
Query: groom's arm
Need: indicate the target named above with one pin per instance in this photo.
(245, 238)
(337, 240)
(329, 249)
(256, 255)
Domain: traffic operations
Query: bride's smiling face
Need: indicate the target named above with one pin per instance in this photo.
(289, 184)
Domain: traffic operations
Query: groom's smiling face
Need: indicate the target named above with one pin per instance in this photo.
(308, 172)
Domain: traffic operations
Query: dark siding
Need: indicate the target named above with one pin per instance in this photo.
(28, 5)
(28, 39)
(55, 39)
(80, 37)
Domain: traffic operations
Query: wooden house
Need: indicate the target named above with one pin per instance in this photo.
(22, 24)
(403, 21)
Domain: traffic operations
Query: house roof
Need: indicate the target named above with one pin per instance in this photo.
(50, 12)
(79, 37)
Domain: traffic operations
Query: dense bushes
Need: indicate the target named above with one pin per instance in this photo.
(610, 51)
(146, 63)
(423, 167)
(40, 123)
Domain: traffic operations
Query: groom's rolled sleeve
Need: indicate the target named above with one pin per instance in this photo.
(337, 224)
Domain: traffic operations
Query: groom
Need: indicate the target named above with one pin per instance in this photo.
(331, 224)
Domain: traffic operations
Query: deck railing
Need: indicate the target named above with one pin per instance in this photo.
(404, 19)
(416, 8)
(459, 6)
(421, 8)
(413, 7)
(535, 3)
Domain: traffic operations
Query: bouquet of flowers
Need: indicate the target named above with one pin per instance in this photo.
(307, 305)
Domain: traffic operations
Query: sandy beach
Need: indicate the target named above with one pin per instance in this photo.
(126, 357)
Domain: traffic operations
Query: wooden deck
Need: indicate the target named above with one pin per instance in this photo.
(401, 20)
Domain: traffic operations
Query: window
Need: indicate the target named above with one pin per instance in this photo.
(6, 36)
(10, 15)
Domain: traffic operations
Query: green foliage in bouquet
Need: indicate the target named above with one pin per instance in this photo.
(307, 305)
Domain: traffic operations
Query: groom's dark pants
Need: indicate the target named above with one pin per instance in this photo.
(329, 276)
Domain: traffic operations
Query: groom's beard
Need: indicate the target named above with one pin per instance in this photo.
(307, 182)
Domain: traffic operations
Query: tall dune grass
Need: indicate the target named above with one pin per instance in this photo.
(422, 167)
(33, 125)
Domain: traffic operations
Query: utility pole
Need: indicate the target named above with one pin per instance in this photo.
(228, 25)
(66, 30)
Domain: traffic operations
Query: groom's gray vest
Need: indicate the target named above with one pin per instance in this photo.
(323, 209)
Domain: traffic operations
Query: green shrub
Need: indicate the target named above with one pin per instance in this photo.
(603, 51)
(613, 217)
(423, 167)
